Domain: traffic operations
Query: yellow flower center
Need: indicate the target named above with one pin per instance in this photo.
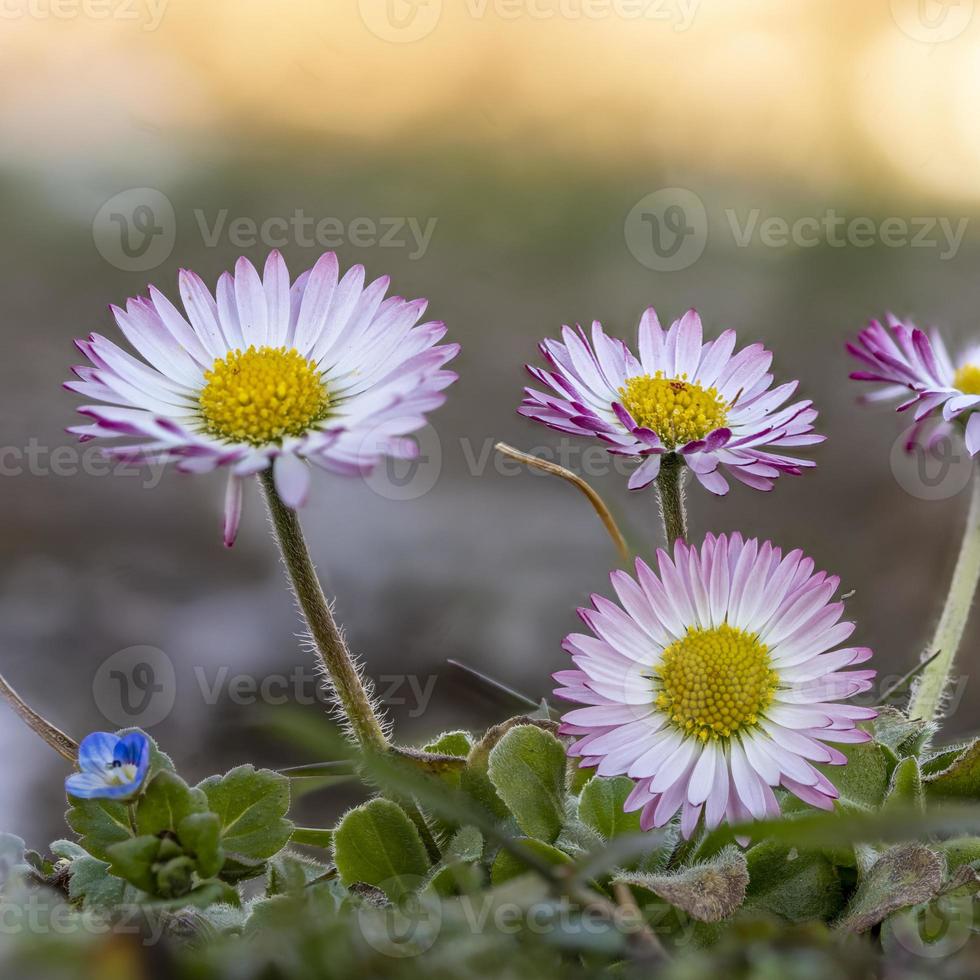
(678, 410)
(262, 395)
(714, 682)
(967, 379)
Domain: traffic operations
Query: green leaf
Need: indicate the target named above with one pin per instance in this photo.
(905, 787)
(202, 896)
(708, 892)
(67, 849)
(93, 887)
(961, 777)
(904, 736)
(312, 837)
(466, 845)
(601, 806)
(904, 875)
(251, 805)
(795, 886)
(167, 800)
(379, 845)
(99, 824)
(507, 866)
(175, 878)
(578, 777)
(527, 769)
(961, 851)
(451, 743)
(290, 873)
(862, 783)
(200, 836)
(133, 860)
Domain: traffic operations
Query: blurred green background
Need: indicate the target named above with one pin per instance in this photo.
(545, 149)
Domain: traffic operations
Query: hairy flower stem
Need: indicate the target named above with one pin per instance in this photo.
(327, 637)
(927, 699)
(66, 747)
(670, 494)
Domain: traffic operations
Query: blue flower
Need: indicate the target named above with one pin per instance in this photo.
(113, 767)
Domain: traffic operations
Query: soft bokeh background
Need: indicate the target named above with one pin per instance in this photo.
(543, 144)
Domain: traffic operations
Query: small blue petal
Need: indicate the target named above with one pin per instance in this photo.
(85, 785)
(132, 748)
(97, 752)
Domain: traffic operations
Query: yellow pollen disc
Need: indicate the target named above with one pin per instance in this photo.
(967, 379)
(262, 395)
(678, 410)
(714, 682)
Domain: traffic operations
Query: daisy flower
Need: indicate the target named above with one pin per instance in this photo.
(916, 368)
(712, 407)
(112, 767)
(322, 370)
(716, 681)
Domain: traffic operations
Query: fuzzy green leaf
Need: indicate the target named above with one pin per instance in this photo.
(379, 845)
(904, 736)
(251, 805)
(93, 887)
(795, 886)
(466, 845)
(527, 769)
(863, 782)
(905, 875)
(200, 836)
(905, 787)
(960, 851)
(601, 806)
(507, 866)
(961, 777)
(312, 837)
(133, 860)
(708, 892)
(99, 824)
(451, 743)
(167, 800)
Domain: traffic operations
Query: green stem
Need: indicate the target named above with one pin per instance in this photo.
(327, 637)
(927, 699)
(670, 494)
